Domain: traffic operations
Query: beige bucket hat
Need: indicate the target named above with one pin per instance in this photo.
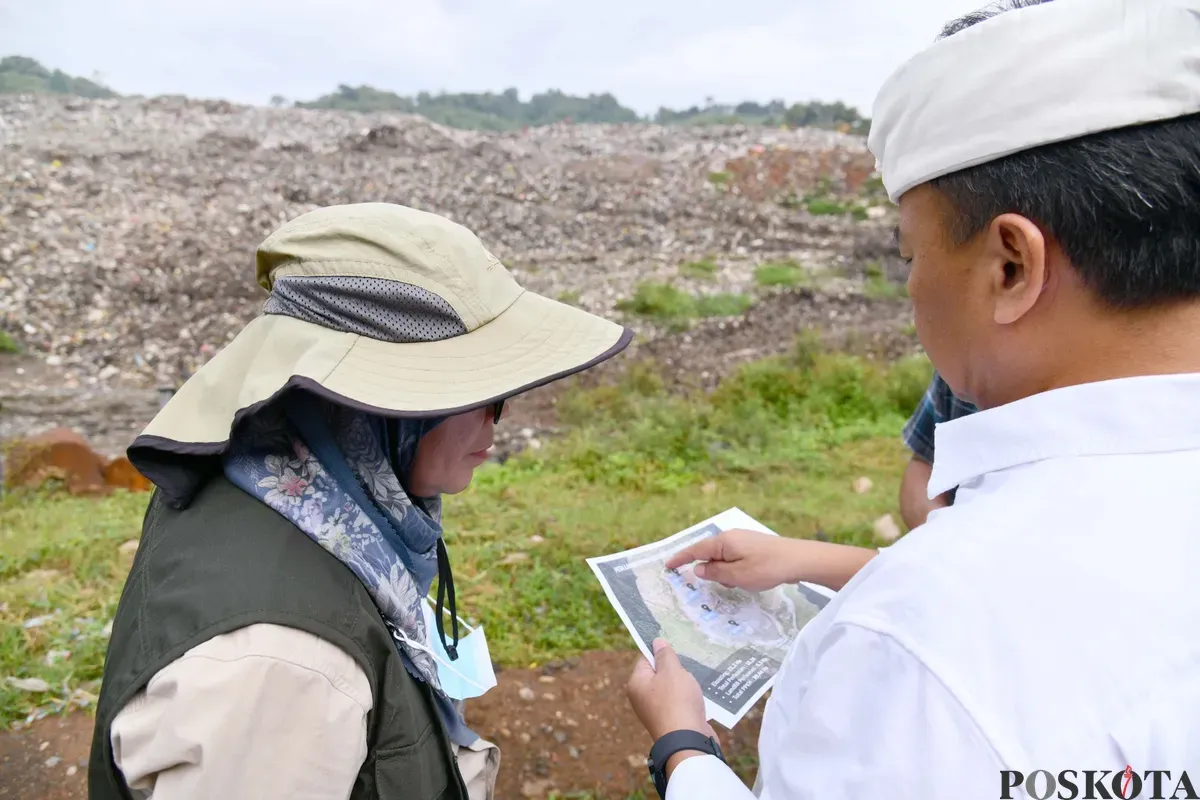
(387, 309)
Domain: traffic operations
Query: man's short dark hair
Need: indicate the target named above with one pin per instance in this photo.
(1124, 205)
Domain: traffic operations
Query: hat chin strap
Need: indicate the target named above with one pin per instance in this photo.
(446, 588)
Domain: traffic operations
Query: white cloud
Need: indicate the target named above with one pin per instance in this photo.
(647, 52)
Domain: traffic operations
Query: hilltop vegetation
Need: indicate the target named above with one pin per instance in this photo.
(814, 114)
(506, 110)
(21, 75)
(481, 110)
(486, 111)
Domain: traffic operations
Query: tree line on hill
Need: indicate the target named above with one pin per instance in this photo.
(479, 110)
(487, 110)
(21, 75)
(507, 111)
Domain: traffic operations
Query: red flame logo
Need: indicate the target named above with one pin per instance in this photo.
(1126, 781)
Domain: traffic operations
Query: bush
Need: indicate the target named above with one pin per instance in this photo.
(578, 407)
(635, 433)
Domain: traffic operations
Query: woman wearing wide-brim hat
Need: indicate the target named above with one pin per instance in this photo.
(273, 638)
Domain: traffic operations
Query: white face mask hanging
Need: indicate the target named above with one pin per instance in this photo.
(469, 675)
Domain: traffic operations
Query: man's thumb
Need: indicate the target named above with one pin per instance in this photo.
(664, 656)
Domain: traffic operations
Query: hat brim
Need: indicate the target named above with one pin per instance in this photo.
(532, 343)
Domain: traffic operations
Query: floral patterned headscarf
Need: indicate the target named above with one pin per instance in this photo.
(338, 474)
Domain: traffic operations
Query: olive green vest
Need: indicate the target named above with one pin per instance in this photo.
(228, 561)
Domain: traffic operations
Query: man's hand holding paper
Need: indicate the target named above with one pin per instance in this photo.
(756, 562)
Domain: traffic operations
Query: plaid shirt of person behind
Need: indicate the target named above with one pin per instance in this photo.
(937, 405)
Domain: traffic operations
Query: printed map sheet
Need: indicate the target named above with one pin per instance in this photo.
(731, 640)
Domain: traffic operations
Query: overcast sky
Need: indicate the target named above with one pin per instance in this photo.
(648, 53)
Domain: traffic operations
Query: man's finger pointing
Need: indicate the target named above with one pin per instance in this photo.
(701, 551)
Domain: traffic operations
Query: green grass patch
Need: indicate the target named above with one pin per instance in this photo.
(61, 571)
(784, 273)
(822, 201)
(570, 297)
(782, 439)
(822, 206)
(8, 344)
(659, 301)
(719, 179)
(722, 305)
(703, 269)
(825, 206)
(676, 308)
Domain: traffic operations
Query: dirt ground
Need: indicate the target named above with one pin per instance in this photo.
(47, 761)
(577, 734)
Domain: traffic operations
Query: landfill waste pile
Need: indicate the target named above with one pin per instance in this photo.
(128, 226)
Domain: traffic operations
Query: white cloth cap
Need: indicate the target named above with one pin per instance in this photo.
(1034, 76)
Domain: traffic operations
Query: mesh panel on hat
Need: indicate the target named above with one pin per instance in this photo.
(382, 309)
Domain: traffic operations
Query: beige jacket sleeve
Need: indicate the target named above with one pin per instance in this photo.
(263, 712)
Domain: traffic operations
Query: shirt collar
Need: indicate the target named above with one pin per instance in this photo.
(1144, 414)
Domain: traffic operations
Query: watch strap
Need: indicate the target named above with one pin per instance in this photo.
(671, 743)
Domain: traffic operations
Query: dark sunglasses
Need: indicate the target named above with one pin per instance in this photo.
(497, 411)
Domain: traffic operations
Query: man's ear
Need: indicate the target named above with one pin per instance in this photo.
(1015, 258)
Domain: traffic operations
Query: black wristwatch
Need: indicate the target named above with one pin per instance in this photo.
(670, 744)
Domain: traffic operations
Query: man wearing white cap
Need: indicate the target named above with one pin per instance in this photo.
(1038, 637)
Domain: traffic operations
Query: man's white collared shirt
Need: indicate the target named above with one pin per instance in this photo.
(1048, 620)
